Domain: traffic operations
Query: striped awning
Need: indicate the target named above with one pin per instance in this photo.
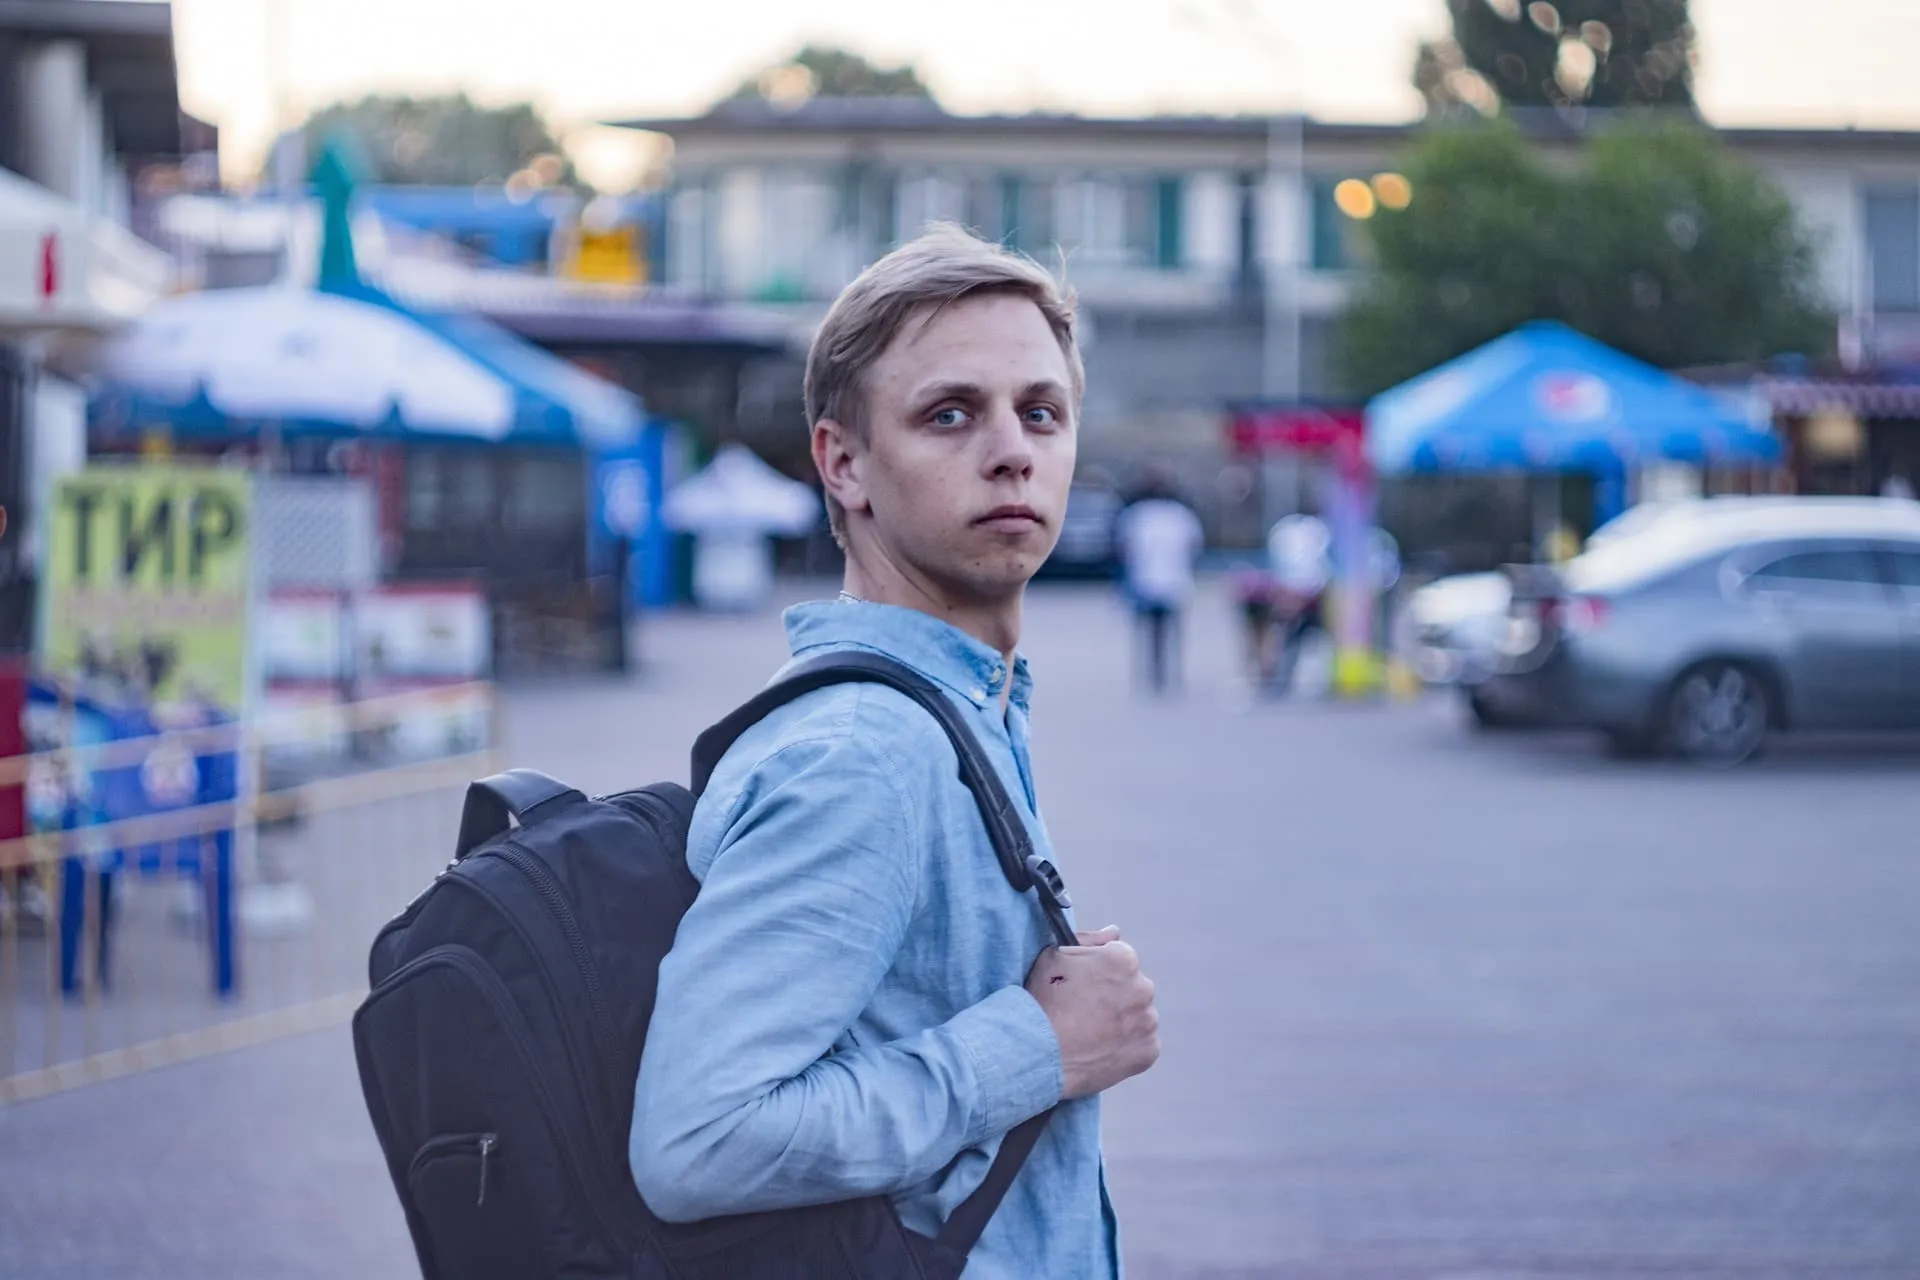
(1799, 396)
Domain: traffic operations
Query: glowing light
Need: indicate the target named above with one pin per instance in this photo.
(1394, 191)
(789, 86)
(1574, 69)
(1355, 199)
(1545, 17)
(1508, 9)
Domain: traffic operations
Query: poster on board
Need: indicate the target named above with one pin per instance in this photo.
(148, 589)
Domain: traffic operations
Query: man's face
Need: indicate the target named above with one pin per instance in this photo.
(969, 451)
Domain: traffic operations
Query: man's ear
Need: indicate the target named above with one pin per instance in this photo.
(840, 459)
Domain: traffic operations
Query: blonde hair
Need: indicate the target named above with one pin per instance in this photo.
(940, 268)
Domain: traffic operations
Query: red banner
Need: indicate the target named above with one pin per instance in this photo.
(1297, 428)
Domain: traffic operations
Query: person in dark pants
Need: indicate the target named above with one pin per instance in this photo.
(1160, 540)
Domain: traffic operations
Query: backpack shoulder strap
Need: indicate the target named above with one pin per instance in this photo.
(1012, 845)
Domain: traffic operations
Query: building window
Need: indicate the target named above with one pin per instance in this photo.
(1169, 198)
(1114, 221)
(985, 207)
(1033, 227)
(797, 223)
(1893, 247)
(1339, 240)
(927, 198)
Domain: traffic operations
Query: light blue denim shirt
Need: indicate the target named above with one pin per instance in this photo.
(842, 1013)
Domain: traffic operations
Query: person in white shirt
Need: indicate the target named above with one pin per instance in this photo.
(1160, 541)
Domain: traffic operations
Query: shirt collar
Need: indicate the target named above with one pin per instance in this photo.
(938, 650)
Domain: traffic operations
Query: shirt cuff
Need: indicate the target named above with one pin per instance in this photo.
(1016, 1061)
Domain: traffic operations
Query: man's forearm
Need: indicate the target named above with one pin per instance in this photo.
(869, 1121)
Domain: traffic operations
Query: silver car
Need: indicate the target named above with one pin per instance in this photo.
(1459, 622)
(1704, 634)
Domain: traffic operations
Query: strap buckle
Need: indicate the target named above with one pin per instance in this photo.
(1047, 879)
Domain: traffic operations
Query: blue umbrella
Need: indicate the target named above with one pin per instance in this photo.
(1546, 398)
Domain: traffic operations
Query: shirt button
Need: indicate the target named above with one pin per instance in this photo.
(979, 695)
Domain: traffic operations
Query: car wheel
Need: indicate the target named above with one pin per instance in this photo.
(1718, 713)
(1485, 714)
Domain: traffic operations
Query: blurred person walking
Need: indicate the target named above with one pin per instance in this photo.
(1160, 542)
(852, 1006)
(1299, 558)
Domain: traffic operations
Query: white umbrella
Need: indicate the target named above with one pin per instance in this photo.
(280, 352)
(737, 492)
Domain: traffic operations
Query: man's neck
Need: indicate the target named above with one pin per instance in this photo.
(877, 580)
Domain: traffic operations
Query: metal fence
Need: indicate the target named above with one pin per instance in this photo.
(138, 941)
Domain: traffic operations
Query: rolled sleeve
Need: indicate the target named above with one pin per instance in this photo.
(1016, 1061)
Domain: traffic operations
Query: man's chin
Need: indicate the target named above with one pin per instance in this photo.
(1002, 572)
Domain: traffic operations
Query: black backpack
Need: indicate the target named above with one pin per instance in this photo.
(500, 1042)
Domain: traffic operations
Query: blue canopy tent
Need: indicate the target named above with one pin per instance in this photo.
(1545, 398)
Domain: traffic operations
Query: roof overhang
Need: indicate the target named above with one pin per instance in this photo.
(130, 59)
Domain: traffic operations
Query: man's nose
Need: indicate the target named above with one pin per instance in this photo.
(1009, 446)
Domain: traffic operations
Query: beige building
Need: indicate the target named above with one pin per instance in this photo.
(1211, 253)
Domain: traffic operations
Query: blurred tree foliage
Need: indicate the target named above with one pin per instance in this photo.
(826, 71)
(1656, 241)
(448, 140)
(1563, 53)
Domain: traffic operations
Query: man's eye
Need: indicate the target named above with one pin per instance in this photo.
(951, 416)
(1042, 415)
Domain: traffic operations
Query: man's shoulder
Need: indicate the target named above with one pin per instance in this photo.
(841, 736)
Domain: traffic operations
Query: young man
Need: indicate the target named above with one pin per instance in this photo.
(853, 1006)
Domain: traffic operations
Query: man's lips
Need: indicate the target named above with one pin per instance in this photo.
(1009, 517)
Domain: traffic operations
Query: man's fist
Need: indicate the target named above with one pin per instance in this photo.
(1101, 1008)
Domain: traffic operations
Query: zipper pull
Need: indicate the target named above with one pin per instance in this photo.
(487, 1143)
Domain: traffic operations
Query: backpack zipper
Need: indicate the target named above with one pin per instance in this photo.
(487, 1143)
(487, 984)
(556, 900)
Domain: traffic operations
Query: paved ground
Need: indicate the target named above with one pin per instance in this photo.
(1435, 1005)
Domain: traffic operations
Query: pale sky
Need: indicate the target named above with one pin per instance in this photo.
(1825, 62)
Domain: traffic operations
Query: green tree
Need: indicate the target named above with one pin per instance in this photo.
(1563, 53)
(827, 71)
(447, 140)
(1657, 242)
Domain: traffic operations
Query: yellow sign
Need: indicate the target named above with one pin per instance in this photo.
(149, 583)
(609, 257)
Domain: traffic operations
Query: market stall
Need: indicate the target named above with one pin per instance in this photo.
(480, 449)
(1546, 401)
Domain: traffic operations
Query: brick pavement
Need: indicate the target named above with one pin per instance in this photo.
(1436, 1006)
